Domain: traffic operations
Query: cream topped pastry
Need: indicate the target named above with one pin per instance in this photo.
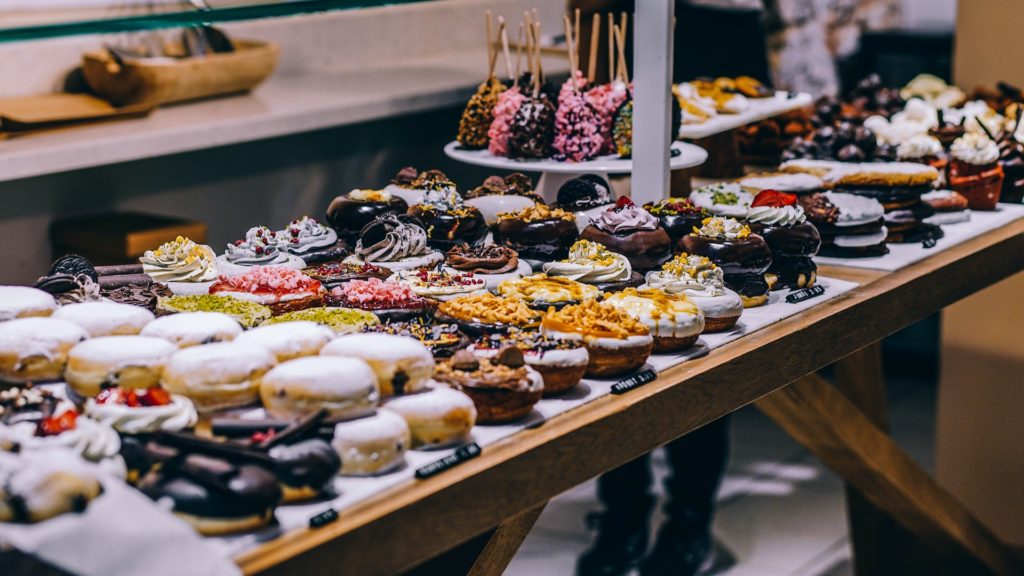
(260, 247)
(106, 318)
(975, 149)
(541, 291)
(411, 185)
(723, 199)
(766, 215)
(625, 217)
(438, 284)
(395, 241)
(672, 319)
(280, 289)
(632, 231)
(181, 260)
(919, 147)
(142, 411)
(194, 328)
(743, 256)
(704, 284)
(591, 263)
(306, 235)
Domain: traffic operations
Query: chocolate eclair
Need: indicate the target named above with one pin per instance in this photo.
(349, 213)
(744, 257)
(538, 233)
(503, 388)
(635, 233)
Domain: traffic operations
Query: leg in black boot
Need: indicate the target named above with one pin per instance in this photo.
(697, 460)
(624, 523)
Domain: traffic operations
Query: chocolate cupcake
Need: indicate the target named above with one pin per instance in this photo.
(744, 257)
(780, 220)
(586, 196)
(635, 233)
(349, 213)
(678, 216)
(538, 233)
(448, 221)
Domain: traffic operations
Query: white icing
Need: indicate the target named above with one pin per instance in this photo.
(377, 443)
(724, 305)
(855, 210)
(305, 235)
(975, 149)
(783, 182)
(193, 328)
(493, 204)
(919, 146)
(547, 358)
(586, 263)
(213, 366)
(678, 323)
(435, 404)
(410, 278)
(410, 195)
(387, 354)
(428, 260)
(345, 386)
(45, 337)
(491, 281)
(94, 441)
(179, 415)
(635, 341)
(18, 300)
(106, 318)
(585, 217)
(862, 240)
(289, 339)
(947, 218)
(123, 351)
(703, 197)
(283, 260)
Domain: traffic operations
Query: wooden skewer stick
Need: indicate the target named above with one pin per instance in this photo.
(536, 50)
(595, 35)
(519, 53)
(490, 40)
(576, 37)
(620, 33)
(611, 48)
(569, 45)
(504, 47)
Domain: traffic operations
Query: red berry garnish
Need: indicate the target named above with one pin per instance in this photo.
(259, 233)
(155, 397)
(55, 425)
(295, 231)
(239, 242)
(294, 240)
(773, 198)
(131, 399)
(260, 437)
(623, 202)
(258, 249)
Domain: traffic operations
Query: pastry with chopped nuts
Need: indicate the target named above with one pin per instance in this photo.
(617, 343)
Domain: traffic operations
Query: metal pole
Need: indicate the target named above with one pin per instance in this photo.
(652, 88)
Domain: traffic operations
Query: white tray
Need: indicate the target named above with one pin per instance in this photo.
(759, 109)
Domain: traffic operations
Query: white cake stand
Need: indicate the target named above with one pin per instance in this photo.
(555, 173)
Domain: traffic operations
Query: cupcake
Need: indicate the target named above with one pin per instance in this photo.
(260, 247)
(394, 241)
(503, 388)
(723, 199)
(186, 267)
(541, 291)
(448, 221)
(635, 233)
(349, 213)
(923, 149)
(387, 299)
(592, 263)
(497, 195)
(438, 284)
(585, 196)
(491, 263)
(488, 314)
(678, 216)
(332, 274)
(441, 338)
(616, 342)
(310, 240)
(672, 319)
(780, 220)
(974, 170)
(280, 289)
(537, 233)
(744, 257)
(703, 282)
(560, 362)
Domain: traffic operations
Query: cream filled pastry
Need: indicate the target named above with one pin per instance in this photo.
(346, 387)
(142, 412)
(260, 247)
(402, 364)
(218, 376)
(126, 361)
(672, 319)
(106, 318)
(592, 263)
(560, 362)
(703, 282)
(40, 486)
(373, 445)
(194, 328)
(438, 417)
(36, 349)
(541, 291)
(723, 199)
(289, 340)
(23, 302)
(181, 260)
(438, 284)
(306, 236)
(744, 257)
(395, 241)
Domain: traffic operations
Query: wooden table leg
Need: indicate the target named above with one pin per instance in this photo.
(821, 418)
(486, 555)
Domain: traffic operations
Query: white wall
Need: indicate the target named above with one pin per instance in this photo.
(929, 13)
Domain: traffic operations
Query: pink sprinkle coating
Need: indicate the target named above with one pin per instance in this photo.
(504, 110)
(577, 127)
(577, 83)
(374, 290)
(606, 99)
(262, 279)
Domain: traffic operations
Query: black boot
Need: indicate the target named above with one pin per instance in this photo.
(677, 553)
(621, 543)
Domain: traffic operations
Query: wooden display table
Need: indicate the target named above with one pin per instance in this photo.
(496, 497)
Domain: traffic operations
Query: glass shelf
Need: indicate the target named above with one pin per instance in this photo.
(183, 17)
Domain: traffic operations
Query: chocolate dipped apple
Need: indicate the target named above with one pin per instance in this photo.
(349, 213)
(780, 220)
(743, 256)
(635, 233)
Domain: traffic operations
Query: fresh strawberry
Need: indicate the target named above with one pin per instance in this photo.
(623, 202)
(155, 397)
(773, 198)
(55, 425)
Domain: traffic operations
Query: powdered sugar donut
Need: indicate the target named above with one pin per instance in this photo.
(126, 361)
(106, 318)
(218, 376)
(346, 387)
(402, 364)
(438, 417)
(22, 302)
(372, 445)
(36, 349)
(194, 328)
(289, 340)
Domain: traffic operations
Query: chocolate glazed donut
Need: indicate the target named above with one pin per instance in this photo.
(645, 249)
(348, 216)
(546, 240)
(445, 230)
(679, 225)
(743, 262)
(801, 240)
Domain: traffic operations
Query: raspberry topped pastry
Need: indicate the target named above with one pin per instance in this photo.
(310, 240)
(260, 247)
(491, 263)
(280, 289)
(387, 299)
(438, 284)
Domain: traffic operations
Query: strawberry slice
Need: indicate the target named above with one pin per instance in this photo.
(623, 202)
(155, 397)
(773, 198)
(55, 425)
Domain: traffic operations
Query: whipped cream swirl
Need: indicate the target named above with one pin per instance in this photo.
(259, 248)
(304, 235)
(625, 219)
(776, 215)
(402, 240)
(591, 263)
(179, 415)
(94, 441)
(975, 148)
(918, 147)
(180, 261)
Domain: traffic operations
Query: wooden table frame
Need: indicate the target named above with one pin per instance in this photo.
(488, 504)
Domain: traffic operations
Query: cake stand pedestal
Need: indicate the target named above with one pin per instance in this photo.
(555, 173)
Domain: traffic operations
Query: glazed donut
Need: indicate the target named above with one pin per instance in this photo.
(23, 302)
(126, 361)
(289, 340)
(194, 328)
(346, 387)
(106, 318)
(36, 487)
(218, 376)
(403, 364)
(438, 417)
(372, 445)
(36, 349)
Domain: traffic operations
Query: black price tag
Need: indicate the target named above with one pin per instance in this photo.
(805, 294)
(467, 452)
(324, 518)
(929, 243)
(635, 381)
